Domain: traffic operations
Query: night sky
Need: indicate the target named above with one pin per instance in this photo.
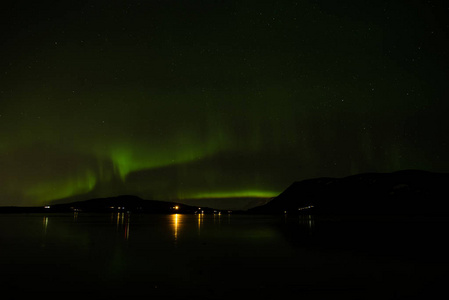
(213, 100)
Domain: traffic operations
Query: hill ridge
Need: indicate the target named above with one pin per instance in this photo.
(400, 192)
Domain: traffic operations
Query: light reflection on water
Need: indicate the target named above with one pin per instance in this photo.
(45, 224)
(200, 219)
(122, 221)
(307, 220)
(213, 222)
(176, 221)
(179, 251)
(179, 225)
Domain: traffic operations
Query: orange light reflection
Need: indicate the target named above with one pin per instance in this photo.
(176, 221)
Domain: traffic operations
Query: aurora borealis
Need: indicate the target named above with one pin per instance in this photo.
(178, 100)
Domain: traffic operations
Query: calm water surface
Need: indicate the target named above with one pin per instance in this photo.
(220, 256)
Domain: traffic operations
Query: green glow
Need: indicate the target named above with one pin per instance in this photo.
(129, 160)
(61, 188)
(235, 194)
(137, 106)
(182, 148)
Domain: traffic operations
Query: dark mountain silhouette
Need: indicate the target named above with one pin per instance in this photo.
(124, 203)
(402, 192)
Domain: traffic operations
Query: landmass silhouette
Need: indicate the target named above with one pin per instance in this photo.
(406, 192)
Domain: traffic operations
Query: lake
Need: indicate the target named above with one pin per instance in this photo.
(221, 256)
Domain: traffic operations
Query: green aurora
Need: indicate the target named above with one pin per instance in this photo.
(215, 101)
